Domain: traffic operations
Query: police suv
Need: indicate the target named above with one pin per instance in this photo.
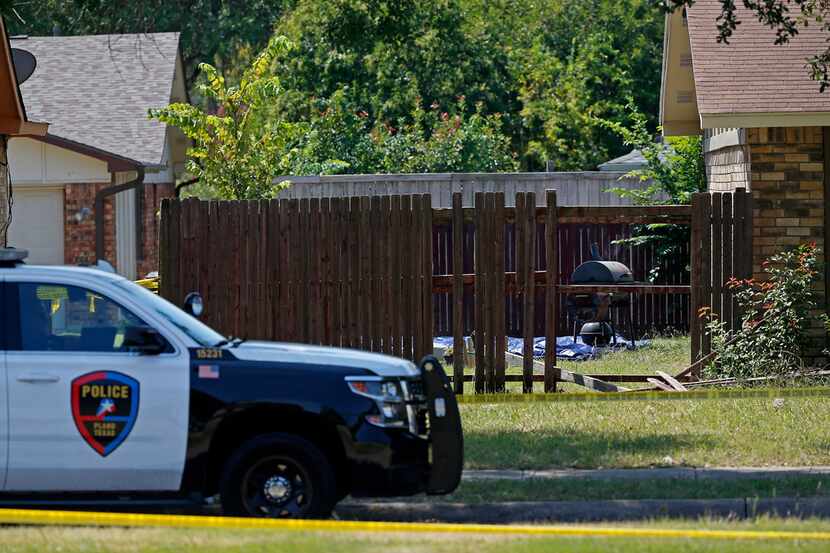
(114, 395)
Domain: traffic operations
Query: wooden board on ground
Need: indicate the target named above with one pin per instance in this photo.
(660, 384)
(672, 381)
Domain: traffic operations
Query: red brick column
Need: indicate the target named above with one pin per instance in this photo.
(787, 182)
(79, 224)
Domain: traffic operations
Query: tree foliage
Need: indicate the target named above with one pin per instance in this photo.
(545, 68)
(673, 172)
(343, 139)
(213, 31)
(236, 152)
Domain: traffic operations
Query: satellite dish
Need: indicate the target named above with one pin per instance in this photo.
(24, 64)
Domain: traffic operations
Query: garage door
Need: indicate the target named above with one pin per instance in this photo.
(37, 224)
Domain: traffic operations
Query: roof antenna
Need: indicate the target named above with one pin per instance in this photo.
(595, 255)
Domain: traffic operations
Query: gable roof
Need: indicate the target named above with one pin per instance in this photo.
(752, 75)
(13, 117)
(750, 82)
(95, 91)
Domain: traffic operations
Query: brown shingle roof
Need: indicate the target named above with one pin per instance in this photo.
(751, 74)
(96, 89)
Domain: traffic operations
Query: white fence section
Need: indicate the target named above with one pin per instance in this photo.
(587, 188)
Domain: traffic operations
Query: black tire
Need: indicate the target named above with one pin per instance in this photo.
(278, 476)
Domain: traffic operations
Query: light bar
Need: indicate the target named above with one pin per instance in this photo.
(13, 255)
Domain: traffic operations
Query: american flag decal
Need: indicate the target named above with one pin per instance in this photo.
(208, 371)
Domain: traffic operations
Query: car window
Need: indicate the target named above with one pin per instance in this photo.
(55, 317)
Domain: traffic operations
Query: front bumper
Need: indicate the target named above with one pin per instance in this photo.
(426, 457)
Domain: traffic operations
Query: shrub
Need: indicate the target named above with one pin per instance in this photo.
(775, 315)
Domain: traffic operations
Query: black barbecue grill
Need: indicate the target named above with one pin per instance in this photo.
(591, 313)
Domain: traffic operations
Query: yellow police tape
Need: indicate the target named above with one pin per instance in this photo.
(772, 393)
(74, 518)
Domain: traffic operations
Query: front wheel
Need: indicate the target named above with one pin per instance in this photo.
(278, 476)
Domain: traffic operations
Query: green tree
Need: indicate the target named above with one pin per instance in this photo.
(673, 171)
(342, 139)
(236, 153)
(213, 31)
(388, 55)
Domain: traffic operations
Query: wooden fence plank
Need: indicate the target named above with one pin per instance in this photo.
(396, 232)
(479, 337)
(386, 274)
(273, 282)
(407, 282)
(491, 294)
(426, 282)
(365, 278)
(529, 290)
(284, 322)
(458, 292)
(326, 272)
(355, 311)
(706, 269)
(727, 228)
(551, 294)
(499, 284)
(415, 272)
(696, 275)
(717, 254)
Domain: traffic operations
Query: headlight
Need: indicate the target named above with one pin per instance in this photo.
(376, 388)
(388, 396)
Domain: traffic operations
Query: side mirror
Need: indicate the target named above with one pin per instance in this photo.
(144, 340)
(193, 304)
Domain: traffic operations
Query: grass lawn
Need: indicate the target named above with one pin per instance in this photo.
(583, 489)
(729, 432)
(94, 540)
(712, 432)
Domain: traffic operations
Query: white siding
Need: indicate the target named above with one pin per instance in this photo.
(35, 162)
(573, 189)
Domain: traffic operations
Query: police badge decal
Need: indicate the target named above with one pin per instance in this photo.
(104, 408)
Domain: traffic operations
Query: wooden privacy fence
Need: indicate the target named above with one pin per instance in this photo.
(358, 272)
(721, 247)
(352, 272)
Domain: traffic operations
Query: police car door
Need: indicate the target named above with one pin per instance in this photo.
(86, 415)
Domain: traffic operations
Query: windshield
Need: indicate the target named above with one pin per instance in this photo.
(201, 333)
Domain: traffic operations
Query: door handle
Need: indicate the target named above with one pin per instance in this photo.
(35, 378)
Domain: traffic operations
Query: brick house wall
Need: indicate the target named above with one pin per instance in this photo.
(788, 190)
(79, 236)
(783, 167)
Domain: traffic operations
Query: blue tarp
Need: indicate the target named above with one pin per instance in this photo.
(566, 348)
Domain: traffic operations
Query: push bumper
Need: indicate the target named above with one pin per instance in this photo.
(445, 433)
(426, 457)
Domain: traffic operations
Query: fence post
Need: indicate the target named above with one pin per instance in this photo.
(499, 283)
(695, 275)
(551, 292)
(458, 293)
(479, 294)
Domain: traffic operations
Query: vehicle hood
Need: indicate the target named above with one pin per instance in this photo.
(382, 365)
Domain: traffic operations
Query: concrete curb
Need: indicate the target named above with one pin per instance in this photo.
(678, 473)
(583, 511)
